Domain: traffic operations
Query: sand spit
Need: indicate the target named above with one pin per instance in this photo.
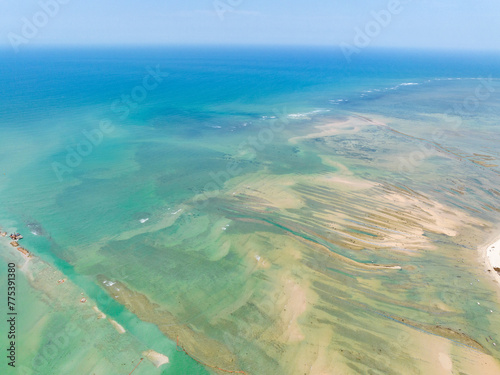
(156, 358)
(117, 326)
(100, 315)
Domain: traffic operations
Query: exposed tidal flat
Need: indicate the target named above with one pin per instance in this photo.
(263, 240)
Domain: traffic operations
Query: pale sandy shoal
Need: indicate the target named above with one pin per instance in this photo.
(491, 254)
(117, 326)
(156, 358)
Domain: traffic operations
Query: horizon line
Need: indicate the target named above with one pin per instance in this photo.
(332, 47)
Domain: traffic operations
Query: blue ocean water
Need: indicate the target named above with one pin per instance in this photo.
(102, 149)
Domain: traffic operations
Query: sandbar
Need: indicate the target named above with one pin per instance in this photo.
(492, 258)
(156, 358)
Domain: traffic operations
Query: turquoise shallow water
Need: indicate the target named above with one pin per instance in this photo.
(122, 209)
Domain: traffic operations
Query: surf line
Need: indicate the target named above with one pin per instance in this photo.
(180, 348)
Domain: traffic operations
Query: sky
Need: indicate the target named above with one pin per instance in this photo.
(441, 24)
